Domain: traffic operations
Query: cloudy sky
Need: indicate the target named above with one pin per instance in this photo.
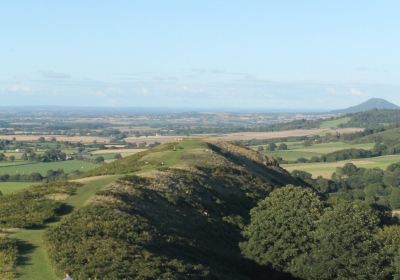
(199, 54)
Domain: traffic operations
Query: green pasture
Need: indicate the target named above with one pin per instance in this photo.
(297, 149)
(327, 169)
(335, 123)
(42, 167)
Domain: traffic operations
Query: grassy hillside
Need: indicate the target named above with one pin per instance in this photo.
(389, 137)
(374, 118)
(179, 219)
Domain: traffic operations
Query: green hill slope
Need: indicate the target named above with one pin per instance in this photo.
(177, 214)
(389, 137)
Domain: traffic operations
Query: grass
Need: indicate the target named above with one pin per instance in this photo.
(13, 163)
(326, 148)
(42, 167)
(172, 158)
(35, 263)
(326, 169)
(292, 155)
(10, 187)
(297, 149)
(334, 123)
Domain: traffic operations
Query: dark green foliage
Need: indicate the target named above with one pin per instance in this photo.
(26, 209)
(390, 237)
(271, 147)
(347, 154)
(374, 118)
(32, 207)
(180, 225)
(292, 231)
(345, 246)
(282, 147)
(112, 245)
(322, 185)
(99, 159)
(392, 175)
(33, 177)
(296, 124)
(376, 186)
(3, 157)
(394, 198)
(340, 155)
(52, 155)
(8, 258)
(280, 228)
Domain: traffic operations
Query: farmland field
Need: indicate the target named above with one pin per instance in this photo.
(123, 152)
(75, 139)
(297, 149)
(327, 169)
(334, 123)
(242, 136)
(42, 167)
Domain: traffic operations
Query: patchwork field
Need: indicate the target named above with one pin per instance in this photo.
(298, 150)
(326, 169)
(42, 167)
(241, 136)
(62, 138)
(153, 139)
(123, 152)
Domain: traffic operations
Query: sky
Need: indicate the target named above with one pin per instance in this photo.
(205, 54)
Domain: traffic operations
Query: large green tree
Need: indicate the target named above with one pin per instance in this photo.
(280, 228)
(345, 245)
(390, 237)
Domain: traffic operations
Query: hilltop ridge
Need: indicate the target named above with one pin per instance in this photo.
(176, 213)
(370, 104)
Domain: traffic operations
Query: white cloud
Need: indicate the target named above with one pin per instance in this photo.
(356, 92)
(18, 88)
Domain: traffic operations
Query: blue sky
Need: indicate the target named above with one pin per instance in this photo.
(199, 54)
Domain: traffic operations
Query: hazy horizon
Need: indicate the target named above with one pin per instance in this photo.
(258, 55)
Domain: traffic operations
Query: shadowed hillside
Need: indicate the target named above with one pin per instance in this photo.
(176, 214)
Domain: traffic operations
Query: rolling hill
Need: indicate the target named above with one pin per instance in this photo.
(371, 104)
(172, 212)
(176, 214)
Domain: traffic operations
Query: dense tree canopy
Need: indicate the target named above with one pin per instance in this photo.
(279, 232)
(294, 231)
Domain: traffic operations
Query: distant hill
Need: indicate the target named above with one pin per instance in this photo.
(373, 103)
